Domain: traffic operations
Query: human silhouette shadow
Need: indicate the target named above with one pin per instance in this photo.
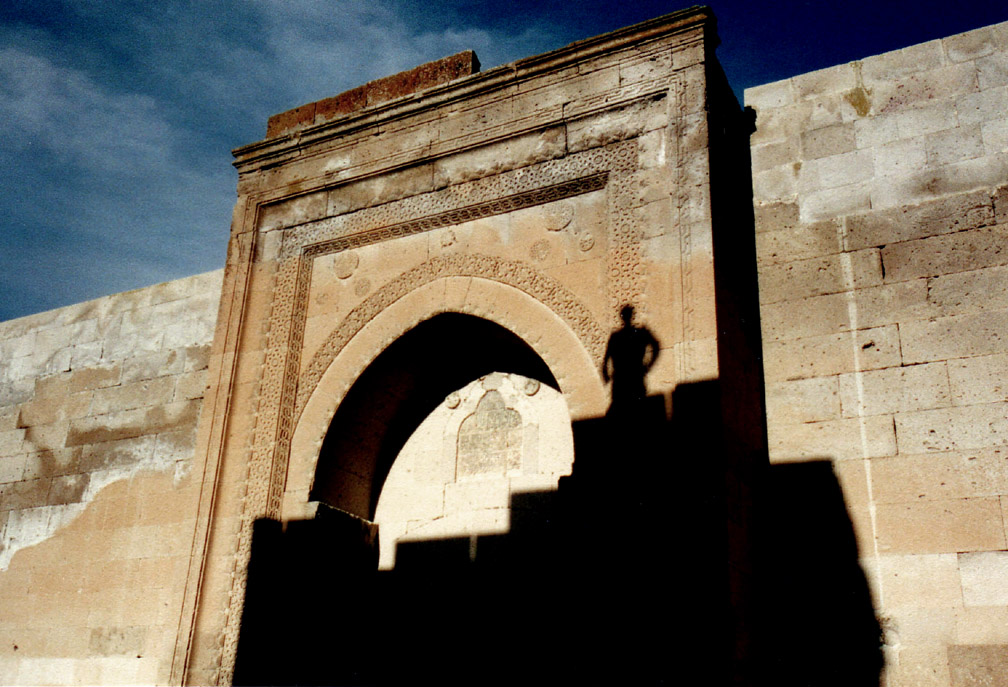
(631, 352)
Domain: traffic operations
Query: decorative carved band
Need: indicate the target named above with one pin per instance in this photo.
(513, 273)
(498, 206)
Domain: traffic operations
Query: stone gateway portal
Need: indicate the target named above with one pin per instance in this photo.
(422, 281)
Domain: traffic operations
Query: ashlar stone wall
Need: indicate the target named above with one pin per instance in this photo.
(99, 404)
(882, 226)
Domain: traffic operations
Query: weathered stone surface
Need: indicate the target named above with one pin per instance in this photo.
(895, 390)
(932, 200)
(63, 513)
(978, 666)
(952, 214)
(833, 439)
(959, 336)
(946, 254)
(374, 93)
(938, 476)
(940, 526)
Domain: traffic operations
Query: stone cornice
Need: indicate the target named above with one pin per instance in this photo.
(271, 150)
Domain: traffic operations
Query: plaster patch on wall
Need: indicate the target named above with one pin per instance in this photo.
(30, 526)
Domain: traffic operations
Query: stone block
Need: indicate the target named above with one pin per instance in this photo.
(920, 580)
(382, 189)
(775, 184)
(197, 358)
(921, 665)
(806, 317)
(67, 489)
(835, 439)
(837, 201)
(957, 213)
(954, 145)
(12, 467)
(500, 157)
(1000, 201)
(774, 154)
(48, 436)
(111, 641)
(919, 89)
(988, 105)
(966, 292)
(841, 169)
(95, 376)
(992, 70)
(16, 391)
(978, 666)
(983, 379)
(818, 276)
(52, 462)
(970, 45)
(994, 136)
(890, 303)
(25, 498)
(940, 476)
(932, 182)
(117, 454)
(11, 441)
(899, 64)
(126, 424)
(828, 141)
(894, 390)
(838, 79)
(901, 157)
(950, 429)
(958, 336)
(8, 418)
(190, 385)
(831, 354)
(872, 132)
(798, 242)
(619, 125)
(805, 400)
(925, 118)
(982, 625)
(151, 365)
(940, 526)
(293, 211)
(984, 578)
(770, 96)
(142, 394)
(913, 626)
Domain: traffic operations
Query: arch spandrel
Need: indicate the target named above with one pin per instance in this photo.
(549, 336)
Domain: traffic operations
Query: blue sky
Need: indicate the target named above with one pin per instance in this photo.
(117, 118)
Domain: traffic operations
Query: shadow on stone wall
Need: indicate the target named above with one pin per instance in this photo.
(650, 564)
(820, 627)
(623, 574)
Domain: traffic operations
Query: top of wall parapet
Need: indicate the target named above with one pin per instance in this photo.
(457, 76)
(375, 92)
(979, 43)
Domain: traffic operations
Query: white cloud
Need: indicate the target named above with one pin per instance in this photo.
(62, 110)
